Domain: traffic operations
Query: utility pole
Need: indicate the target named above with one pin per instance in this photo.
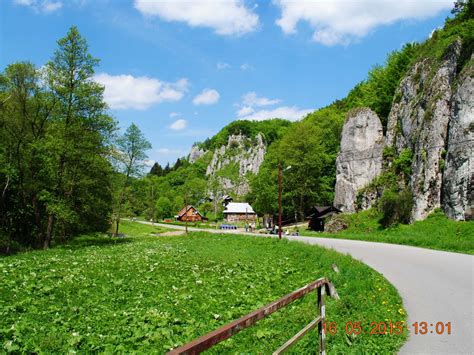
(280, 178)
(280, 173)
(153, 205)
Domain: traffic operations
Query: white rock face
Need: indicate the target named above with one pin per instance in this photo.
(247, 153)
(458, 178)
(195, 154)
(360, 159)
(419, 121)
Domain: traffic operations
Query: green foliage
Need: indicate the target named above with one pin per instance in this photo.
(378, 90)
(55, 137)
(402, 164)
(310, 148)
(271, 130)
(146, 294)
(164, 208)
(395, 207)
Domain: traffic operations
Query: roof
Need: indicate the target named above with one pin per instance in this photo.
(239, 207)
(323, 211)
(186, 209)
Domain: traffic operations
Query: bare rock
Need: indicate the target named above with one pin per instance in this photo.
(360, 159)
(458, 177)
(419, 120)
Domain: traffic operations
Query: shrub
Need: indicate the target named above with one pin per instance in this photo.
(395, 207)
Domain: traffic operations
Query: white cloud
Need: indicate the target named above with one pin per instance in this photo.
(207, 97)
(169, 151)
(127, 91)
(175, 114)
(291, 113)
(45, 6)
(229, 17)
(252, 99)
(244, 111)
(342, 21)
(222, 65)
(178, 125)
(246, 66)
(149, 162)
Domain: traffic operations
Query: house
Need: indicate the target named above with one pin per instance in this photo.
(239, 211)
(318, 215)
(189, 214)
(226, 200)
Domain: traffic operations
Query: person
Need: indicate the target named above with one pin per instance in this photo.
(246, 227)
(252, 228)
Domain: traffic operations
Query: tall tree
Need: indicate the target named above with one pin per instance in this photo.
(131, 153)
(78, 139)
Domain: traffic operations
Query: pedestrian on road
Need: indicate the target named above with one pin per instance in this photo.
(246, 227)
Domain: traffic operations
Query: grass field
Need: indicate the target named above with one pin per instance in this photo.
(435, 232)
(145, 293)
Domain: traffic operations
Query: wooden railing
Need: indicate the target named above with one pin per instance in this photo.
(323, 287)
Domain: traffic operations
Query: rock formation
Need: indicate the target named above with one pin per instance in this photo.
(195, 153)
(458, 178)
(419, 122)
(432, 116)
(360, 159)
(244, 153)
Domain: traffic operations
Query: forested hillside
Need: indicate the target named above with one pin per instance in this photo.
(311, 145)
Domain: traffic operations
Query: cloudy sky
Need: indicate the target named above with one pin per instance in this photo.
(181, 70)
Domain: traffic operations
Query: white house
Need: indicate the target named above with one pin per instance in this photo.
(239, 211)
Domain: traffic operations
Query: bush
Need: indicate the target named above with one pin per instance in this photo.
(395, 207)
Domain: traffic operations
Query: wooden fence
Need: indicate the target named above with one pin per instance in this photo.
(323, 286)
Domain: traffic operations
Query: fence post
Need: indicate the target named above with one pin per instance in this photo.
(322, 312)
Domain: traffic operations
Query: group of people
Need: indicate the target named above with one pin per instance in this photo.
(249, 227)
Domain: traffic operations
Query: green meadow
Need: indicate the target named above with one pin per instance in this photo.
(149, 293)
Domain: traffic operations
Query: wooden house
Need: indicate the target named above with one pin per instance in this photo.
(239, 211)
(189, 214)
(318, 215)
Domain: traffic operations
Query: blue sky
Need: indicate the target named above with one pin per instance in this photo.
(182, 70)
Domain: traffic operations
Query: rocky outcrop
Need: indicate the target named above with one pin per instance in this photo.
(419, 121)
(458, 177)
(360, 159)
(242, 155)
(196, 153)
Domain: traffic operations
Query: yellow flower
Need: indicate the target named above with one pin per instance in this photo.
(401, 311)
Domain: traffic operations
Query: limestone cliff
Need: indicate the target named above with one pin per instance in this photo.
(458, 177)
(432, 116)
(232, 163)
(360, 159)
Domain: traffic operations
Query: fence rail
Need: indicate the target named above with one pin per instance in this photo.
(323, 287)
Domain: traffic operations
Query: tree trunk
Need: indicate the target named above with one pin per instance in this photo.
(117, 222)
(49, 232)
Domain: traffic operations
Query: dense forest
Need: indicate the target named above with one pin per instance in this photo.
(65, 169)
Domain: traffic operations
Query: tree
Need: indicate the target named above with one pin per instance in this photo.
(156, 170)
(131, 153)
(164, 208)
(78, 140)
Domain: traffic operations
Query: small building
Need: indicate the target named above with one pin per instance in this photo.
(239, 211)
(318, 215)
(189, 214)
(226, 200)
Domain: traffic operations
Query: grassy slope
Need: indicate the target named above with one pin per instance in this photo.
(149, 294)
(435, 232)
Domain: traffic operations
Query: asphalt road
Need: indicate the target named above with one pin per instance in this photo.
(435, 286)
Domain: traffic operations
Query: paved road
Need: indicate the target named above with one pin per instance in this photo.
(436, 286)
